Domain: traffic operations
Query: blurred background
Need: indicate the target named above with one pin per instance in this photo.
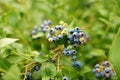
(99, 18)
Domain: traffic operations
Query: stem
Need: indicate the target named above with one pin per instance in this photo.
(26, 69)
(58, 65)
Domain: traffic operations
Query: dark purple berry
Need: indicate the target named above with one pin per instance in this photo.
(37, 68)
(73, 57)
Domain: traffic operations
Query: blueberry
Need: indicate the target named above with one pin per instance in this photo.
(108, 73)
(49, 22)
(34, 32)
(73, 64)
(94, 71)
(76, 40)
(99, 74)
(97, 66)
(70, 37)
(68, 52)
(73, 52)
(77, 29)
(67, 48)
(75, 34)
(64, 53)
(55, 39)
(73, 57)
(60, 36)
(81, 34)
(71, 31)
(107, 70)
(36, 68)
(35, 28)
(56, 27)
(65, 78)
(60, 27)
(52, 30)
(78, 64)
(106, 63)
(29, 76)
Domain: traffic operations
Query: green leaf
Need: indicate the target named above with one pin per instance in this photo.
(40, 59)
(4, 64)
(44, 49)
(12, 74)
(114, 53)
(71, 24)
(6, 41)
(97, 52)
(38, 35)
(46, 78)
(48, 69)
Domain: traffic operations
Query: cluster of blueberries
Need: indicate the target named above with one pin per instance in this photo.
(43, 27)
(56, 33)
(68, 52)
(46, 24)
(77, 36)
(103, 71)
(29, 74)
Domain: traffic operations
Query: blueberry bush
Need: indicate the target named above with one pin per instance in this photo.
(59, 40)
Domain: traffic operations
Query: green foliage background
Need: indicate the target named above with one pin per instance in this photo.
(99, 18)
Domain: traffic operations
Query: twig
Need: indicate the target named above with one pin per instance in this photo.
(26, 69)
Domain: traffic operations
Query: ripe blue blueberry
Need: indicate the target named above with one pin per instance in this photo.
(94, 71)
(68, 53)
(57, 27)
(75, 34)
(73, 57)
(107, 70)
(67, 48)
(76, 40)
(106, 63)
(71, 31)
(73, 64)
(65, 78)
(60, 36)
(73, 52)
(97, 66)
(37, 68)
(99, 74)
(34, 32)
(78, 64)
(60, 27)
(55, 39)
(52, 30)
(64, 53)
(29, 76)
(70, 37)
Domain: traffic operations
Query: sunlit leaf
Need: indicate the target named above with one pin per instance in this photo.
(12, 74)
(114, 53)
(6, 41)
(4, 64)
